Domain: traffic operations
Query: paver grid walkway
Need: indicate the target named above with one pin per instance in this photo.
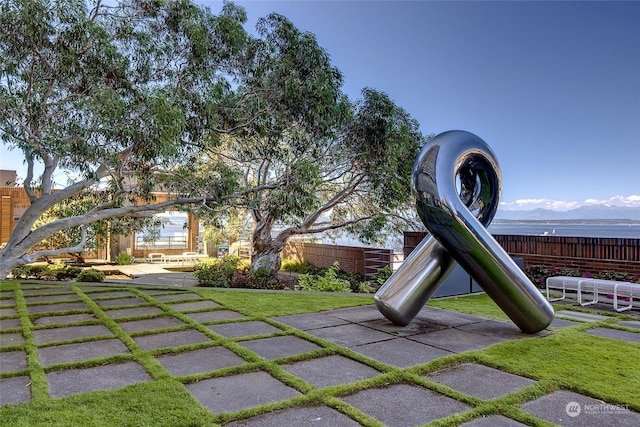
(189, 335)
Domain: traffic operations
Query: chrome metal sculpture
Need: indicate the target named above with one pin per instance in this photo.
(456, 184)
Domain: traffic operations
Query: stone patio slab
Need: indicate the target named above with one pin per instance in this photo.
(456, 340)
(243, 329)
(412, 405)
(401, 352)
(300, 416)
(580, 316)
(415, 327)
(121, 302)
(563, 323)
(184, 296)
(630, 323)
(357, 314)
(350, 335)
(20, 390)
(43, 336)
(120, 313)
(572, 409)
(236, 392)
(215, 315)
(447, 318)
(45, 290)
(480, 381)
(81, 351)
(493, 328)
(73, 381)
(45, 308)
(277, 347)
(151, 324)
(493, 421)
(11, 338)
(330, 370)
(615, 334)
(170, 339)
(72, 297)
(199, 361)
(11, 361)
(307, 322)
(8, 311)
(193, 306)
(10, 323)
(63, 318)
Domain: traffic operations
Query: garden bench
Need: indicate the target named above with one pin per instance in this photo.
(595, 287)
(155, 256)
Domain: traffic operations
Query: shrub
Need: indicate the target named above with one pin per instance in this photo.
(217, 272)
(382, 275)
(124, 258)
(21, 272)
(538, 273)
(328, 282)
(614, 275)
(294, 266)
(90, 275)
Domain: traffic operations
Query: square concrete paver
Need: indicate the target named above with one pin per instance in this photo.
(98, 295)
(63, 318)
(13, 361)
(9, 323)
(456, 340)
(213, 316)
(492, 421)
(447, 318)
(563, 323)
(581, 316)
(403, 405)
(307, 322)
(243, 329)
(150, 324)
(72, 297)
(236, 392)
(20, 390)
(45, 308)
(277, 347)
(357, 314)
(73, 381)
(330, 370)
(120, 313)
(199, 361)
(11, 338)
(194, 305)
(630, 323)
(351, 335)
(8, 311)
(81, 351)
(572, 409)
(401, 352)
(495, 328)
(121, 302)
(415, 327)
(615, 334)
(480, 381)
(45, 290)
(184, 296)
(170, 339)
(43, 336)
(320, 416)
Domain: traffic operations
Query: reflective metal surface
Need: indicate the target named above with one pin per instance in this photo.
(456, 185)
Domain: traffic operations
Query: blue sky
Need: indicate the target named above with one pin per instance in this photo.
(552, 87)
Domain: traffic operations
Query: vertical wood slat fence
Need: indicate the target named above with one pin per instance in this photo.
(593, 254)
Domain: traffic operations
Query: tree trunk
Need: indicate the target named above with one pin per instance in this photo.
(266, 251)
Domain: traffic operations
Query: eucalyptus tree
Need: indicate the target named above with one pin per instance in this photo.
(307, 158)
(114, 94)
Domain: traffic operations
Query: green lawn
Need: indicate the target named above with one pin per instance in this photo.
(567, 358)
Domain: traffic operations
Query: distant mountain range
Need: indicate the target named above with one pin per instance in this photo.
(584, 213)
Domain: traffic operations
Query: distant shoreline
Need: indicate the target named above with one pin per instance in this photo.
(567, 221)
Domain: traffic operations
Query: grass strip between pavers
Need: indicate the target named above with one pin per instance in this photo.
(557, 361)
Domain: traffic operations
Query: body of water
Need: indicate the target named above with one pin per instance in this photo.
(567, 229)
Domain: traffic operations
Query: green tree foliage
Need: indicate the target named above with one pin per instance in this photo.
(116, 95)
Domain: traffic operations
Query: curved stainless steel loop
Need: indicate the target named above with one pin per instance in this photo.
(456, 184)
